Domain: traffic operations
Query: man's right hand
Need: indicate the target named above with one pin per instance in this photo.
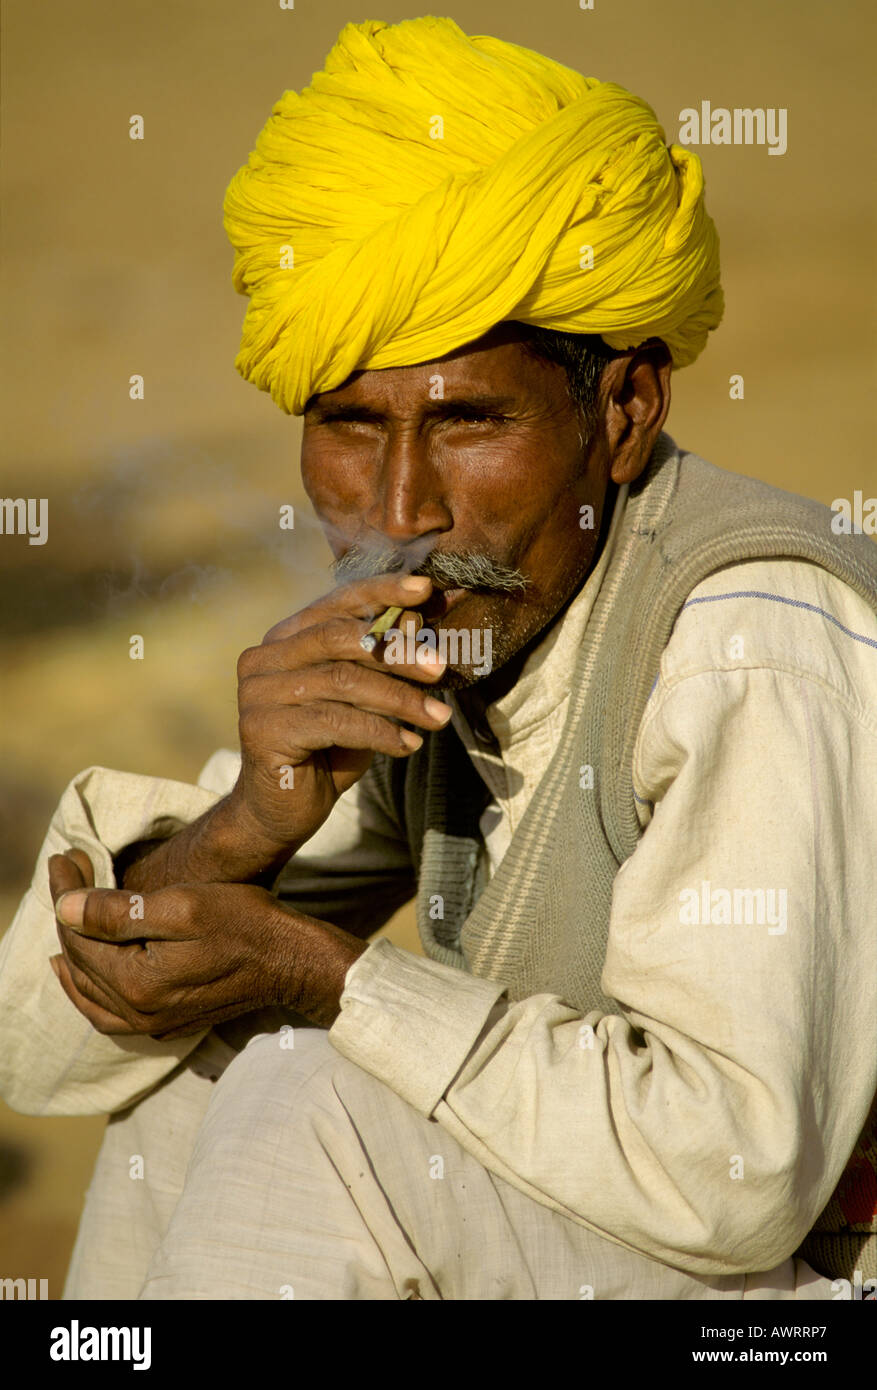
(312, 701)
(313, 708)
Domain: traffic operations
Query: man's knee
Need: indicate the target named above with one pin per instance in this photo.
(270, 1086)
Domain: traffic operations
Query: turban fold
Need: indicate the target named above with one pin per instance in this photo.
(428, 185)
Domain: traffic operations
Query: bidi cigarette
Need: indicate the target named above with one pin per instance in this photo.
(382, 625)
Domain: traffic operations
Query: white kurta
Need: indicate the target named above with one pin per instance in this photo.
(696, 1135)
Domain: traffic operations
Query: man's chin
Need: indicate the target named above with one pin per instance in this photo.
(499, 648)
(476, 638)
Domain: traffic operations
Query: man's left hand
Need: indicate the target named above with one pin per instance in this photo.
(172, 962)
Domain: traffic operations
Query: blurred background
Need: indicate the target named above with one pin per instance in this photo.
(163, 513)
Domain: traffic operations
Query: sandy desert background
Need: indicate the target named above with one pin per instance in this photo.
(163, 513)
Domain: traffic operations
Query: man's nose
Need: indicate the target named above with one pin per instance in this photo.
(410, 493)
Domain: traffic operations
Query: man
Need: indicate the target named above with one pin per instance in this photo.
(636, 1057)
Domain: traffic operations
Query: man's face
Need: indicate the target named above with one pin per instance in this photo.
(477, 452)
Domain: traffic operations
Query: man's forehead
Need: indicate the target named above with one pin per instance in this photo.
(491, 366)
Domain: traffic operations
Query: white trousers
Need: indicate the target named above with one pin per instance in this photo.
(298, 1175)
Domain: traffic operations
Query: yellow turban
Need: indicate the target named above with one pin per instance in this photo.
(428, 185)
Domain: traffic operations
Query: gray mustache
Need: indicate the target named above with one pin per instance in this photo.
(450, 569)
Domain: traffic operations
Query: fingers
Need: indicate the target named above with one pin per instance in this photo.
(84, 864)
(147, 1005)
(112, 1014)
(69, 871)
(363, 598)
(113, 915)
(70, 875)
(338, 639)
(102, 972)
(372, 692)
(155, 963)
(100, 1018)
(191, 964)
(329, 724)
(64, 875)
(129, 982)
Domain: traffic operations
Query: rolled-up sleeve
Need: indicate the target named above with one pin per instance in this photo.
(52, 1062)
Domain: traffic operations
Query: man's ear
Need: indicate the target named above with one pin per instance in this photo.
(636, 400)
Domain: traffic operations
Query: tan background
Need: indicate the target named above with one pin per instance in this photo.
(163, 513)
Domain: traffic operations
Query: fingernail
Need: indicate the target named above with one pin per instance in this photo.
(416, 583)
(411, 740)
(53, 961)
(427, 657)
(437, 709)
(70, 907)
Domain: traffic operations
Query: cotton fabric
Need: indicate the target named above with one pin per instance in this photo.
(427, 185)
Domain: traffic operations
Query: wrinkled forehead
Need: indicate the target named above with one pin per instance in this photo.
(493, 372)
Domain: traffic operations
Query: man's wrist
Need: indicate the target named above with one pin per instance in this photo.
(219, 847)
(315, 966)
(228, 847)
(344, 957)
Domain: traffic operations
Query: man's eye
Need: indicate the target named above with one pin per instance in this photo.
(477, 418)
